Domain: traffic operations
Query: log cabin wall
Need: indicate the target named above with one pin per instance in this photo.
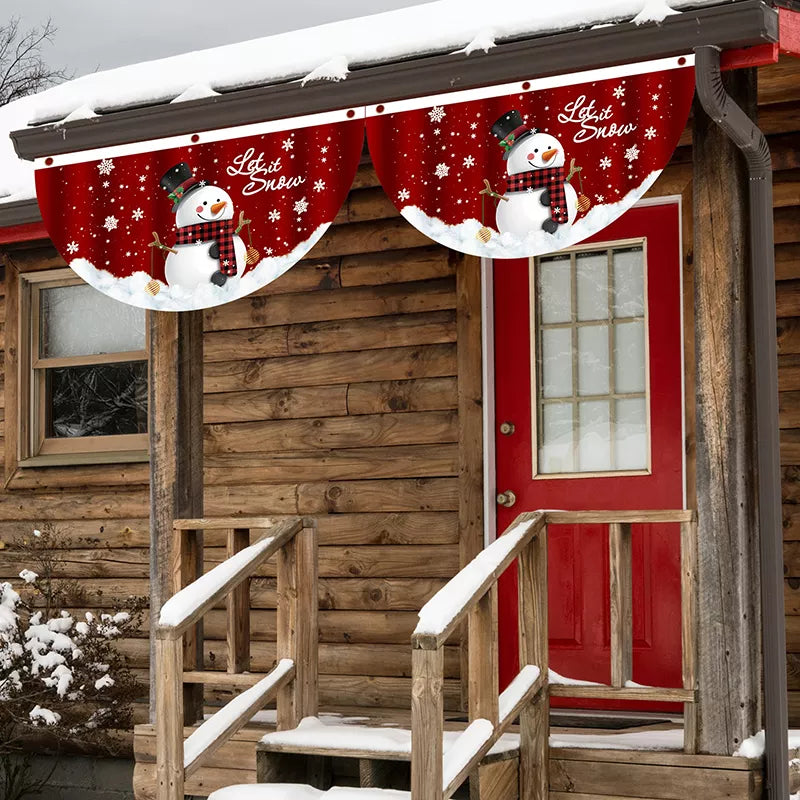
(334, 391)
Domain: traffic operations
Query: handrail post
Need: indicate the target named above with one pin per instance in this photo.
(298, 625)
(483, 659)
(169, 718)
(621, 602)
(689, 630)
(427, 723)
(187, 566)
(534, 718)
(238, 608)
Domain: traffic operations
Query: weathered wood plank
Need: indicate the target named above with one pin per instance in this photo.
(397, 266)
(426, 724)
(424, 394)
(330, 433)
(257, 311)
(729, 637)
(287, 403)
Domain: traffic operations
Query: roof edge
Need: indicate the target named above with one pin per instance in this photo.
(729, 26)
(20, 212)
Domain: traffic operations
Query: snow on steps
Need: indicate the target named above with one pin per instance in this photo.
(289, 791)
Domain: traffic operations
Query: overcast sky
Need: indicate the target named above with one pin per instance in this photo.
(100, 34)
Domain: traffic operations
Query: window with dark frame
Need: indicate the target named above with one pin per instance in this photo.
(591, 378)
(85, 356)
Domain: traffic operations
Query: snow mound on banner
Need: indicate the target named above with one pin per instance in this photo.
(131, 290)
(462, 237)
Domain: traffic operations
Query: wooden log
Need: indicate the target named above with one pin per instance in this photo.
(368, 237)
(246, 343)
(426, 725)
(404, 461)
(264, 404)
(621, 603)
(394, 363)
(397, 266)
(787, 261)
(358, 301)
(422, 394)
(238, 608)
(729, 637)
(364, 205)
(329, 433)
(689, 626)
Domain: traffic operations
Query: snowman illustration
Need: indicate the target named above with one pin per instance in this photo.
(207, 246)
(538, 194)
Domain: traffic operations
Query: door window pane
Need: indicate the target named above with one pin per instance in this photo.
(591, 354)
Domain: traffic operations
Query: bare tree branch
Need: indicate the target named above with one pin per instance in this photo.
(23, 70)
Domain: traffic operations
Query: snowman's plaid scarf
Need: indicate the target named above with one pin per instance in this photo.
(550, 178)
(219, 231)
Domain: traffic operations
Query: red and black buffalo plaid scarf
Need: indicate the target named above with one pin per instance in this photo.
(220, 231)
(550, 178)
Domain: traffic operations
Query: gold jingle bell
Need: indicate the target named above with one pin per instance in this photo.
(153, 287)
(484, 234)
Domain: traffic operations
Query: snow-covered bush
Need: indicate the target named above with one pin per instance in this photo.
(61, 675)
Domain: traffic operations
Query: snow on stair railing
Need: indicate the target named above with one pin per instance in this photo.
(179, 672)
(472, 596)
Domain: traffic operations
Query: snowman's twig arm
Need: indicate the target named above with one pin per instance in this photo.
(491, 192)
(157, 243)
(572, 170)
(242, 222)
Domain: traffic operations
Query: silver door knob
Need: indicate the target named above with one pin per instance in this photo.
(506, 498)
(507, 428)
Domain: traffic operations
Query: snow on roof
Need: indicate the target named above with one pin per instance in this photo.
(322, 52)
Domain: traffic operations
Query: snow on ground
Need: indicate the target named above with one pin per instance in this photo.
(506, 245)
(176, 298)
(332, 49)
(753, 747)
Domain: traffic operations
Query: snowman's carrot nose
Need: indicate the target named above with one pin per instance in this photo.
(548, 154)
(216, 207)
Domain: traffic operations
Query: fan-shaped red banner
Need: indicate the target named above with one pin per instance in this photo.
(532, 167)
(194, 221)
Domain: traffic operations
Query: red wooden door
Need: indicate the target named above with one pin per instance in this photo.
(588, 370)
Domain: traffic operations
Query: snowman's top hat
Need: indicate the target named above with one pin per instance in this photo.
(511, 129)
(179, 181)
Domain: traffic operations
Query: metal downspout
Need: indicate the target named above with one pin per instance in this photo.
(746, 135)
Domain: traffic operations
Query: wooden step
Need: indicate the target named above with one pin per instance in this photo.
(298, 791)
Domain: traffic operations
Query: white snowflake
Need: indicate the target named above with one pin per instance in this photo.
(619, 91)
(469, 161)
(288, 144)
(268, 251)
(105, 166)
(442, 170)
(437, 114)
(473, 125)
(403, 195)
(655, 106)
(111, 223)
(605, 162)
(437, 131)
(632, 153)
(72, 247)
(650, 133)
(319, 186)
(274, 215)
(323, 149)
(599, 198)
(656, 96)
(137, 214)
(301, 206)
(142, 178)
(106, 184)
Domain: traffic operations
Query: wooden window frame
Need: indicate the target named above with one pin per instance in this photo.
(34, 449)
(574, 324)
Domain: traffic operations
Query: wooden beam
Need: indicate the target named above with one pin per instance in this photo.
(470, 431)
(175, 424)
(729, 634)
(426, 724)
(621, 602)
(238, 608)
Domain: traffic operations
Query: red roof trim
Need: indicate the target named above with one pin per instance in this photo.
(23, 233)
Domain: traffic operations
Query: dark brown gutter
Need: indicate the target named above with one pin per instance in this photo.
(746, 135)
(19, 212)
(731, 25)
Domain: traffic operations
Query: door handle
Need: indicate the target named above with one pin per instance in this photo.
(506, 498)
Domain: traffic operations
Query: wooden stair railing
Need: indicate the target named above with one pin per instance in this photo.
(472, 595)
(179, 639)
(619, 538)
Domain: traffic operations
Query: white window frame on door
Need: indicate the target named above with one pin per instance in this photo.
(487, 354)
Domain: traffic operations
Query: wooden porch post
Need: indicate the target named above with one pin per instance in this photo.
(175, 408)
(729, 635)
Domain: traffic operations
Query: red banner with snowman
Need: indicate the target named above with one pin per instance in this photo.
(194, 221)
(531, 167)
